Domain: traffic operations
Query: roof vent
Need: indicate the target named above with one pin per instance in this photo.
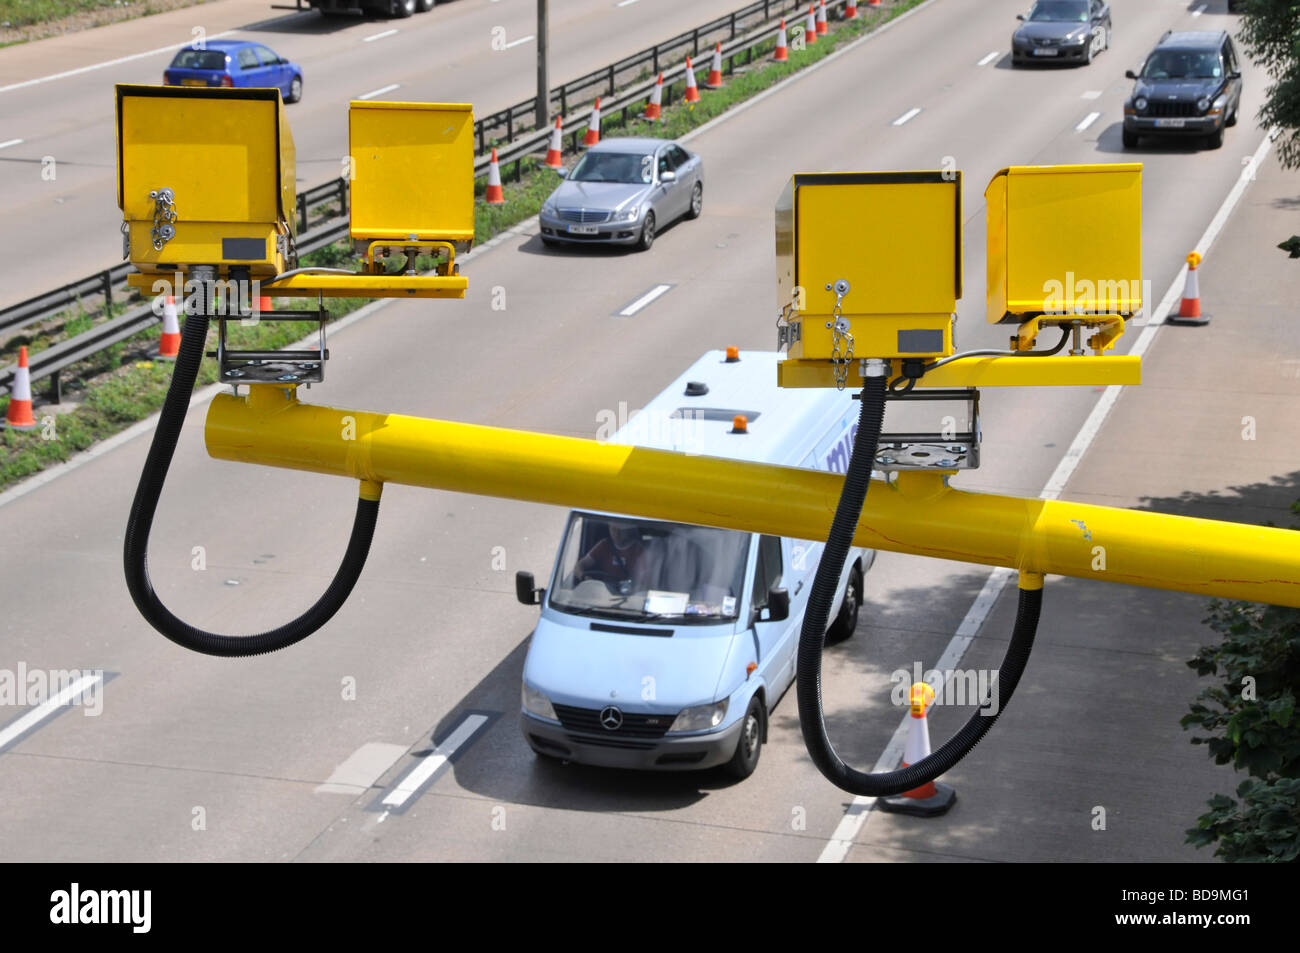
(696, 388)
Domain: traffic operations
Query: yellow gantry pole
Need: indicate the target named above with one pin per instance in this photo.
(917, 513)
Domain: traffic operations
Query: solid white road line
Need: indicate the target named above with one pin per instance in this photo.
(122, 59)
(522, 39)
(644, 300)
(434, 762)
(377, 36)
(11, 142)
(46, 709)
(907, 116)
(1087, 121)
(837, 848)
(625, 3)
(379, 92)
(990, 58)
(1199, 10)
(1092, 94)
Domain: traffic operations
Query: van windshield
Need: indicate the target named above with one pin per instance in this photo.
(647, 571)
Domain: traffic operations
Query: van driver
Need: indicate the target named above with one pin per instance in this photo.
(622, 558)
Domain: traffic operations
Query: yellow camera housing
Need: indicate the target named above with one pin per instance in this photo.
(894, 238)
(412, 174)
(205, 176)
(1064, 241)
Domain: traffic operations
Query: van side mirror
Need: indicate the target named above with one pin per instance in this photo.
(525, 590)
(1020, 16)
(1129, 74)
(778, 604)
(1234, 75)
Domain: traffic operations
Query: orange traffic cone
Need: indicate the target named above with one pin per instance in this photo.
(810, 27)
(169, 345)
(1189, 311)
(714, 80)
(20, 396)
(851, 10)
(555, 153)
(932, 798)
(692, 91)
(593, 126)
(873, 3)
(822, 28)
(495, 195)
(654, 108)
(782, 45)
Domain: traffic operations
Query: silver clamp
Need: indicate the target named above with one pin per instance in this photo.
(164, 217)
(841, 335)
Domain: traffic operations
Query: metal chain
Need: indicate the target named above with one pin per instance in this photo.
(840, 335)
(164, 217)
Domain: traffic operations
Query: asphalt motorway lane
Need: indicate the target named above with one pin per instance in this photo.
(293, 756)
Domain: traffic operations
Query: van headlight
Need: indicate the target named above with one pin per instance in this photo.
(1204, 104)
(1140, 104)
(701, 717)
(535, 703)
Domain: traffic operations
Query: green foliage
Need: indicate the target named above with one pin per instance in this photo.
(1270, 35)
(1250, 722)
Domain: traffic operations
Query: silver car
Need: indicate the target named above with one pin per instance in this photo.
(623, 191)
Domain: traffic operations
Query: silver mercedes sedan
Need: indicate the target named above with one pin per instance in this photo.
(623, 191)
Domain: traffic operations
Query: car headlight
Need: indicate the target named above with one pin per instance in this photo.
(1075, 40)
(548, 208)
(1203, 104)
(535, 703)
(631, 215)
(700, 718)
(1140, 104)
(1219, 103)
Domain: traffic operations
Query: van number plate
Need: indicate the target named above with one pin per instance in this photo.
(1170, 123)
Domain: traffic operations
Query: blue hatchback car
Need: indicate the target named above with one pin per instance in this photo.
(235, 63)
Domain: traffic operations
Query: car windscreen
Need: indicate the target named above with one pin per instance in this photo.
(642, 570)
(626, 167)
(199, 59)
(1183, 64)
(1075, 11)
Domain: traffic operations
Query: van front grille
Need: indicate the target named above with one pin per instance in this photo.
(634, 725)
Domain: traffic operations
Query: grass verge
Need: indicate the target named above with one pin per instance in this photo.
(122, 385)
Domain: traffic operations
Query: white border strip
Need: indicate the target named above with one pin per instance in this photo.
(47, 708)
(434, 762)
(121, 59)
(855, 817)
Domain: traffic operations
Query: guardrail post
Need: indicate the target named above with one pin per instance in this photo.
(107, 279)
(55, 392)
(302, 213)
(611, 79)
(655, 51)
(343, 196)
(510, 124)
(733, 24)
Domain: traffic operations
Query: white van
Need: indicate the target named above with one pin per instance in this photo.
(665, 646)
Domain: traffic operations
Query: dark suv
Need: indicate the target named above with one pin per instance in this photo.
(1190, 85)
